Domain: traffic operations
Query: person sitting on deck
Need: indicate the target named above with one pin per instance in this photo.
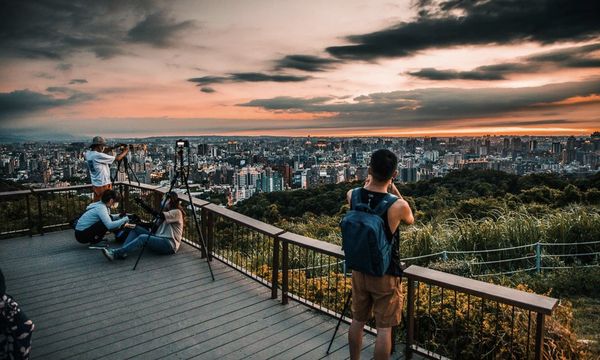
(15, 327)
(96, 220)
(164, 241)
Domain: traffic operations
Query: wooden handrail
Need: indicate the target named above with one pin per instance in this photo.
(310, 243)
(66, 188)
(529, 301)
(245, 220)
(16, 192)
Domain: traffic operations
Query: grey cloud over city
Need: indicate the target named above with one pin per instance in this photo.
(455, 23)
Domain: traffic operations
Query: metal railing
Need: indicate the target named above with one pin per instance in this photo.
(306, 270)
(39, 210)
(456, 317)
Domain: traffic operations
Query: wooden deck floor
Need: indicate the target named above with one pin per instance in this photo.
(85, 307)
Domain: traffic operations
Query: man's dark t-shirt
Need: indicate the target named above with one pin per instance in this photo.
(373, 199)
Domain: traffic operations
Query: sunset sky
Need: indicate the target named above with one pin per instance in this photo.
(294, 68)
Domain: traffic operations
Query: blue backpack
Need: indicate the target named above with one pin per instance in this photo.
(364, 240)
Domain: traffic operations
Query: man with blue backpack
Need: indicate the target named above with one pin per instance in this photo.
(370, 244)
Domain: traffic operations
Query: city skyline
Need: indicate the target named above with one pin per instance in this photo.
(338, 69)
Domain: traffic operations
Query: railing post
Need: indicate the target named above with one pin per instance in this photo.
(410, 310)
(210, 234)
(275, 268)
(284, 273)
(444, 255)
(538, 257)
(29, 220)
(539, 336)
(40, 218)
(125, 196)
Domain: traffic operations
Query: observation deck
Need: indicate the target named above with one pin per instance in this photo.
(276, 294)
(85, 307)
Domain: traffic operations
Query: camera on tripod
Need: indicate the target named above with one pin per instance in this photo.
(180, 144)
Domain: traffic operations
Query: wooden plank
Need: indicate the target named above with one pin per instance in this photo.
(210, 338)
(237, 316)
(85, 307)
(502, 294)
(119, 335)
(274, 333)
(148, 305)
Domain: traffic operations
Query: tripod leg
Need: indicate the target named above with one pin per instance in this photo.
(340, 320)
(200, 236)
(140, 254)
(155, 222)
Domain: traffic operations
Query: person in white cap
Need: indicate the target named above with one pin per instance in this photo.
(98, 163)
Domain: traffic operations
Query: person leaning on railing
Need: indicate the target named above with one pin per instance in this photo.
(15, 327)
(379, 295)
(164, 241)
(98, 163)
(93, 224)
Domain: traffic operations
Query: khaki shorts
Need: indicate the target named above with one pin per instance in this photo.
(379, 296)
(99, 190)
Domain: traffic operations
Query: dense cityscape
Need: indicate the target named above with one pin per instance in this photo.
(237, 167)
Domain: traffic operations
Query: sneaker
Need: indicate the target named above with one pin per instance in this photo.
(103, 244)
(109, 254)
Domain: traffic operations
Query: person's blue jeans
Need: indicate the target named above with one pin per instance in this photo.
(136, 239)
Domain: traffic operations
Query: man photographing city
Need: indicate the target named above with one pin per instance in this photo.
(98, 162)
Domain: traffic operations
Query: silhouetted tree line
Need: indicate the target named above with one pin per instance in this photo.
(473, 193)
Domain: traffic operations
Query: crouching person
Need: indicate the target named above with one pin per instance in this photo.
(164, 241)
(97, 220)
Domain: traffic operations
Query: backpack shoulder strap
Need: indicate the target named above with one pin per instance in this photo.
(385, 204)
(355, 198)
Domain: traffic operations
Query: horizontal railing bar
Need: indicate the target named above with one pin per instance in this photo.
(569, 255)
(568, 267)
(14, 231)
(422, 256)
(506, 272)
(54, 225)
(14, 193)
(573, 243)
(61, 189)
(245, 220)
(529, 301)
(428, 354)
(501, 260)
(488, 250)
(309, 243)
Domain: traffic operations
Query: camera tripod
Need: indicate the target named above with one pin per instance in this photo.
(123, 166)
(181, 174)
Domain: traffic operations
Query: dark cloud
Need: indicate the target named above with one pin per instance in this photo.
(55, 29)
(59, 89)
(305, 63)
(422, 107)
(572, 57)
(434, 74)
(20, 102)
(64, 67)
(78, 81)
(158, 29)
(531, 122)
(455, 23)
(207, 89)
(44, 75)
(247, 77)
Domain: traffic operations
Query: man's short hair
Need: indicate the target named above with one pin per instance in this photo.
(109, 195)
(383, 164)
